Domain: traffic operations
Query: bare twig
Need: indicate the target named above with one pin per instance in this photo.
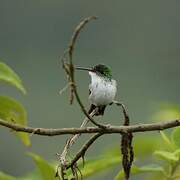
(64, 164)
(83, 149)
(70, 52)
(69, 69)
(76, 33)
(126, 117)
(84, 123)
(64, 89)
(90, 130)
(62, 157)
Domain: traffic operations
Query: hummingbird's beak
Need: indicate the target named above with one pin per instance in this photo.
(85, 69)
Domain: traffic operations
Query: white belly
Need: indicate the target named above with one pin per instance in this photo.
(102, 91)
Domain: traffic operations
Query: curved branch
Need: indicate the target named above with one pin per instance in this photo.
(90, 130)
(76, 33)
(69, 68)
(83, 150)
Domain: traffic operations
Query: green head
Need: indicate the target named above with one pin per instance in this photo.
(100, 70)
(103, 71)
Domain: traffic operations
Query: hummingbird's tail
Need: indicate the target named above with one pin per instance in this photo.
(100, 110)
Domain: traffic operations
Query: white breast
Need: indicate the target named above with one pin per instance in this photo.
(102, 90)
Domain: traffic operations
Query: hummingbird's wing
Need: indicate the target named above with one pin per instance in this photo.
(89, 89)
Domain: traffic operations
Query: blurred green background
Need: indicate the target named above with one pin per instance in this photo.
(139, 40)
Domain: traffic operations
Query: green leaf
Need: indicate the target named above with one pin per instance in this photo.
(177, 153)
(176, 136)
(46, 169)
(144, 169)
(108, 159)
(4, 176)
(97, 165)
(145, 145)
(34, 175)
(9, 76)
(167, 156)
(12, 111)
(166, 140)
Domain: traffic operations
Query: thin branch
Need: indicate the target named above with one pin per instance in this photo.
(90, 130)
(69, 69)
(84, 123)
(70, 142)
(83, 149)
(126, 117)
(76, 33)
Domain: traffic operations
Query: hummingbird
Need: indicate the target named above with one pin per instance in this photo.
(102, 89)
